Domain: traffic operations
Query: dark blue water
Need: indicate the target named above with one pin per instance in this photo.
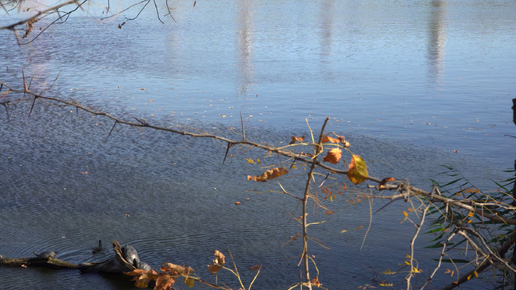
(407, 82)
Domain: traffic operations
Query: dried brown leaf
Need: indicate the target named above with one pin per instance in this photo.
(298, 139)
(142, 277)
(269, 174)
(214, 268)
(176, 270)
(164, 282)
(315, 282)
(217, 264)
(221, 259)
(385, 180)
(333, 156)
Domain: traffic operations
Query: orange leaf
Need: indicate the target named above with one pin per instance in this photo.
(333, 156)
(238, 203)
(385, 180)
(269, 174)
(257, 267)
(357, 171)
(298, 139)
(338, 139)
(315, 282)
(327, 139)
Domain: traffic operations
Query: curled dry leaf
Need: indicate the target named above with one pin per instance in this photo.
(221, 259)
(176, 270)
(257, 267)
(333, 156)
(357, 171)
(298, 139)
(142, 277)
(214, 268)
(269, 174)
(336, 139)
(217, 264)
(164, 282)
(385, 180)
(315, 282)
(238, 203)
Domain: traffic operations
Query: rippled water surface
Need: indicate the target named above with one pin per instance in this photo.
(407, 83)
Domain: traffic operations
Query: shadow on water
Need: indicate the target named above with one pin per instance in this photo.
(66, 186)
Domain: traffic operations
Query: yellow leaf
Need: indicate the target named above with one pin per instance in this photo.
(357, 171)
(476, 274)
(406, 216)
(386, 284)
(189, 282)
(388, 272)
(407, 263)
(249, 160)
(407, 256)
(258, 160)
(470, 214)
(343, 231)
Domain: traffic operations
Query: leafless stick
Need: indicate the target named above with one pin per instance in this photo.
(242, 122)
(170, 13)
(440, 260)
(54, 8)
(120, 12)
(412, 242)
(116, 122)
(157, 11)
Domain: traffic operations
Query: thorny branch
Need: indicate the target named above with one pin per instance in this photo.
(402, 190)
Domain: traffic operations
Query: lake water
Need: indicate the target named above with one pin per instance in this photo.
(407, 82)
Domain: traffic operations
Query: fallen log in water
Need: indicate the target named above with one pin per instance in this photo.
(115, 265)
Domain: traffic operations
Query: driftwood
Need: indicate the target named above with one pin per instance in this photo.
(115, 265)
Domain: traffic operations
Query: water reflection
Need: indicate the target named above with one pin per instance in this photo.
(437, 40)
(326, 36)
(245, 45)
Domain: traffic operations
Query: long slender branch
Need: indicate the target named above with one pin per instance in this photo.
(305, 201)
(467, 204)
